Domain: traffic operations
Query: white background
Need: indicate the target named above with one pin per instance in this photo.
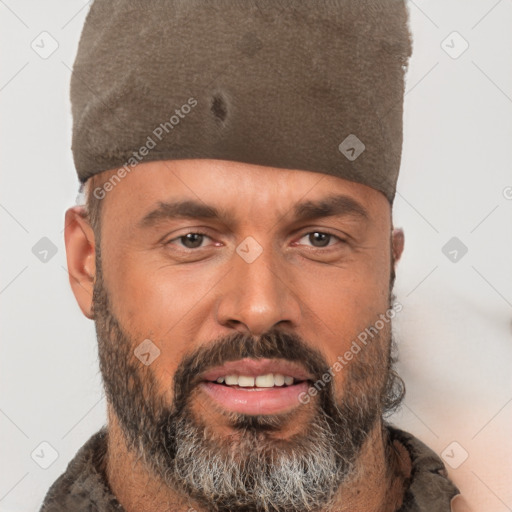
(454, 332)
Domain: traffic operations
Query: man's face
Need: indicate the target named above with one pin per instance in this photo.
(281, 280)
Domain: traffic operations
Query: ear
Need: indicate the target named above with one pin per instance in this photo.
(398, 241)
(80, 254)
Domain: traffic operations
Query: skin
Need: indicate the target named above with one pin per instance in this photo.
(181, 298)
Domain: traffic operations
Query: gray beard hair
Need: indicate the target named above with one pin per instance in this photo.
(255, 473)
(251, 471)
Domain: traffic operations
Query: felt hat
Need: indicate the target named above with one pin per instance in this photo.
(293, 84)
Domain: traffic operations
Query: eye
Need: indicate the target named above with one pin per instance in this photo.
(193, 240)
(320, 239)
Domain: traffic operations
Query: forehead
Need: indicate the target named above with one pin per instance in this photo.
(232, 188)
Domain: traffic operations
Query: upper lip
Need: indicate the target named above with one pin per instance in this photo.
(255, 367)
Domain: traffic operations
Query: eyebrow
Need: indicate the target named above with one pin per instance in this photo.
(335, 205)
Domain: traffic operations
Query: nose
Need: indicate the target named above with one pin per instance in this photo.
(257, 296)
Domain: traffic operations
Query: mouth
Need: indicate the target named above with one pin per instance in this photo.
(256, 386)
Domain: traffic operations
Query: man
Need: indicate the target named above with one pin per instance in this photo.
(237, 255)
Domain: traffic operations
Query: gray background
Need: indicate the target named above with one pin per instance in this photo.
(454, 332)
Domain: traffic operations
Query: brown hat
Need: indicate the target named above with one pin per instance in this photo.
(293, 84)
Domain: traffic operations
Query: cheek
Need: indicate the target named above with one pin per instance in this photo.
(349, 297)
(146, 294)
(344, 302)
(162, 303)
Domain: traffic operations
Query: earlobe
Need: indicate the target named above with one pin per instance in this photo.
(398, 242)
(81, 257)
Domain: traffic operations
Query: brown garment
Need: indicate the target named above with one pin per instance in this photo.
(83, 487)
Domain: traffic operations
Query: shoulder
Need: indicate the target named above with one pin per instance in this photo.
(430, 488)
(83, 486)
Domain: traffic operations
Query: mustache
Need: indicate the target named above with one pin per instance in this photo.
(273, 344)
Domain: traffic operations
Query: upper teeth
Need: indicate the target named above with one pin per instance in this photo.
(261, 381)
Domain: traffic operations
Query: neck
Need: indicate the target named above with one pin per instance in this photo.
(380, 479)
(132, 484)
(378, 483)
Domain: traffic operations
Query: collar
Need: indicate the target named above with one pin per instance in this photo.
(430, 489)
(83, 487)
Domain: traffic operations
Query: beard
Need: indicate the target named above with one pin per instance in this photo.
(252, 470)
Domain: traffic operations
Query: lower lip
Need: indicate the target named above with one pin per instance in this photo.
(255, 400)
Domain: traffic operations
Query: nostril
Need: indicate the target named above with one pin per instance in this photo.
(219, 107)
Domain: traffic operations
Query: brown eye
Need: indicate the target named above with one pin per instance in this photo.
(192, 240)
(319, 239)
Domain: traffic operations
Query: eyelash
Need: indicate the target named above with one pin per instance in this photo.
(301, 236)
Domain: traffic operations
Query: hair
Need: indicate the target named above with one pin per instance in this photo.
(92, 204)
